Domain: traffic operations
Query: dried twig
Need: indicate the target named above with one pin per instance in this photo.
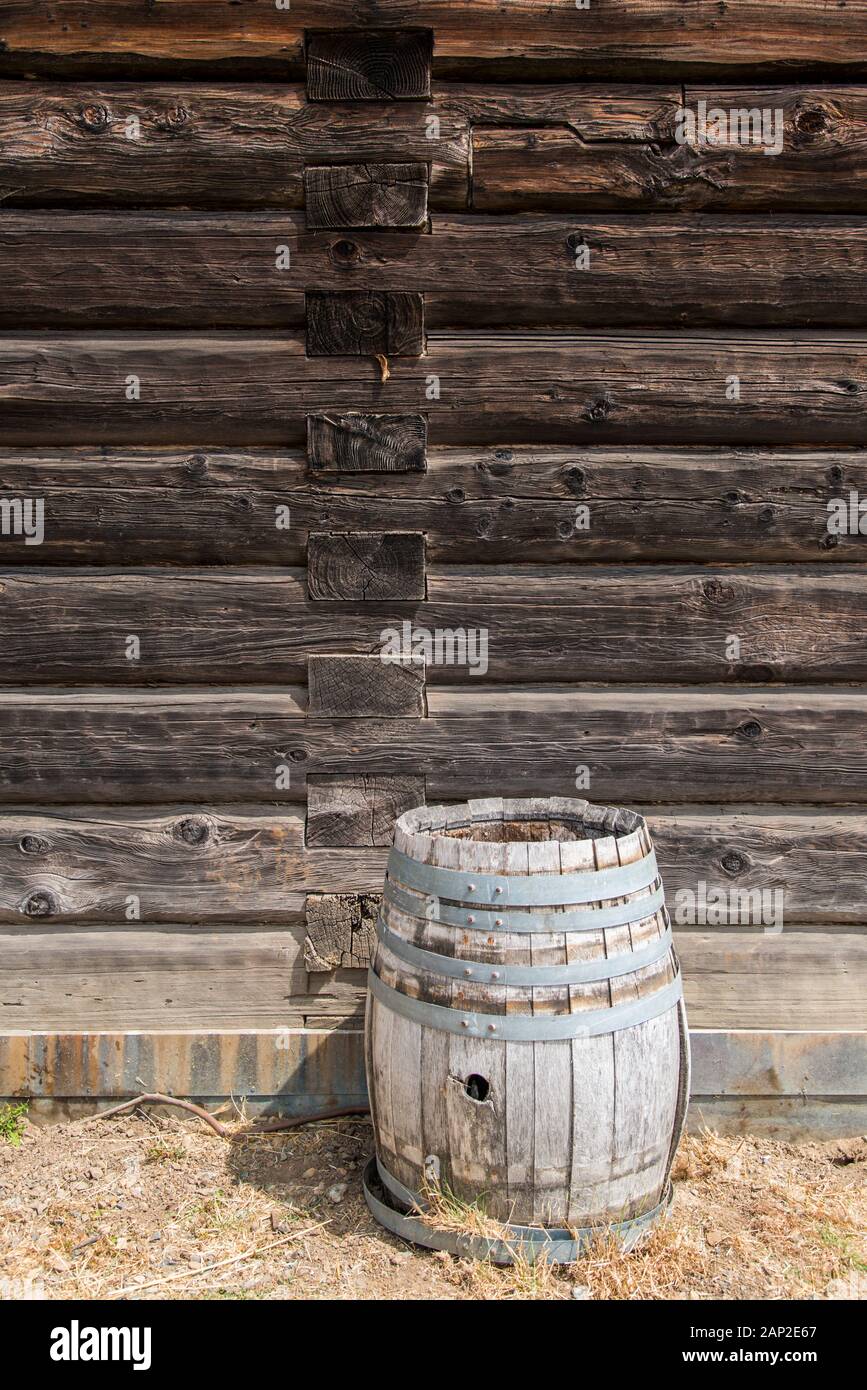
(219, 1264)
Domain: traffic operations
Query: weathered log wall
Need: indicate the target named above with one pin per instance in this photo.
(424, 327)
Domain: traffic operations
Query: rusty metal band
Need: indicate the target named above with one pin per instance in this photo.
(482, 972)
(523, 890)
(527, 1027)
(429, 908)
(557, 1246)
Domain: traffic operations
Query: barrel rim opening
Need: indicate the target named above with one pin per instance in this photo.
(501, 821)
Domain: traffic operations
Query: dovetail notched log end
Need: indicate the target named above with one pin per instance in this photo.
(369, 65)
(346, 687)
(352, 442)
(366, 565)
(364, 323)
(356, 196)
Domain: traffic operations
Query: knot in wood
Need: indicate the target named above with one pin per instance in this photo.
(345, 252)
(94, 118)
(715, 591)
(505, 455)
(196, 465)
(810, 122)
(175, 118)
(576, 480)
(766, 516)
(298, 755)
(39, 904)
(32, 844)
(598, 410)
(456, 494)
(835, 473)
(193, 830)
(734, 863)
(750, 730)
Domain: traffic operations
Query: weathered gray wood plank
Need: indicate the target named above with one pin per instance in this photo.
(346, 687)
(731, 745)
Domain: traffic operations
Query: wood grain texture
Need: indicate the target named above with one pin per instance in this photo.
(184, 863)
(360, 323)
(820, 167)
(735, 745)
(349, 442)
(478, 624)
(208, 145)
(798, 979)
(341, 931)
(229, 864)
(476, 506)
(209, 269)
(359, 811)
(513, 38)
(376, 65)
(613, 388)
(366, 195)
(139, 977)
(347, 687)
(367, 566)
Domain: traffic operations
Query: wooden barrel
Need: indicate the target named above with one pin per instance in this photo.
(525, 1037)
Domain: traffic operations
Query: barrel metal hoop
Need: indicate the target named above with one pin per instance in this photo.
(431, 909)
(527, 1027)
(557, 1246)
(527, 890)
(485, 972)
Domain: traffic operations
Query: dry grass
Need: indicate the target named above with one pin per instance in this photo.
(90, 1209)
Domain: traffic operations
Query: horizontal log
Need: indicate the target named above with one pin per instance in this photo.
(145, 506)
(229, 864)
(249, 977)
(148, 388)
(816, 139)
(179, 864)
(515, 38)
(140, 977)
(799, 979)
(222, 272)
(210, 146)
(588, 148)
(636, 745)
(544, 623)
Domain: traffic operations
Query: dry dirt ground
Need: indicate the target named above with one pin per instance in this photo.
(151, 1205)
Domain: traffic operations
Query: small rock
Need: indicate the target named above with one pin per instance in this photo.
(279, 1224)
(95, 1173)
(337, 1192)
(580, 1291)
(309, 1173)
(714, 1236)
